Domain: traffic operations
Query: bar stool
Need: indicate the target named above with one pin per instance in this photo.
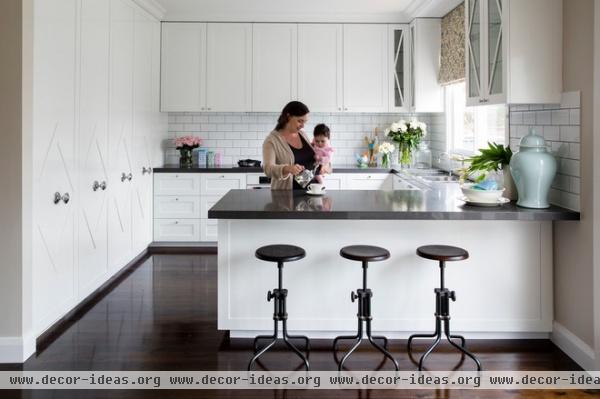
(364, 254)
(280, 254)
(443, 254)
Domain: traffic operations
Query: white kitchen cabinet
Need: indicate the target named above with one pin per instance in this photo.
(274, 66)
(426, 94)
(366, 68)
(184, 230)
(177, 184)
(513, 51)
(177, 207)
(142, 141)
(54, 162)
(93, 144)
(83, 140)
(120, 172)
(320, 74)
(334, 181)
(399, 67)
(221, 183)
(183, 79)
(368, 181)
(228, 67)
(206, 67)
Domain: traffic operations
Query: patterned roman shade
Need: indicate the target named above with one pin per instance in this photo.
(452, 62)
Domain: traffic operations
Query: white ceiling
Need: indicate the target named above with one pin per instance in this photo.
(389, 11)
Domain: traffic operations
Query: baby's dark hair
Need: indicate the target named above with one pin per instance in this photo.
(321, 130)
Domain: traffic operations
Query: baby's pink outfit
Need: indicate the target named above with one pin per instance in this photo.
(323, 156)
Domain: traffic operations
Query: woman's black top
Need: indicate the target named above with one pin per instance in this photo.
(304, 156)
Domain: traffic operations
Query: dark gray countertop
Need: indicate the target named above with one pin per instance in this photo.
(237, 169)
(439, 203)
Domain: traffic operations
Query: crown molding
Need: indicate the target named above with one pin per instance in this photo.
(152, 7)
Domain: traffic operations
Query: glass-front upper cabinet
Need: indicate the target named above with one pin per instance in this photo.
(399, 67)
(485, 52)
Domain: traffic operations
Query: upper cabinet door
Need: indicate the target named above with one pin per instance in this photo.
(495, 54)
(399, 67)
(427, 94)
(275, 63)
(365, 68)
(229, 67)
(320, 66)
(474, 33)
(183, 67)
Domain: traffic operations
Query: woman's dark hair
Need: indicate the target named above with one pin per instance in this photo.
(293, 108)
(321, 130)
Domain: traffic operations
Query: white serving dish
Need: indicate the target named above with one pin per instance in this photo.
(480, 196)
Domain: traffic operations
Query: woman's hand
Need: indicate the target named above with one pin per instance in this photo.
(326, 169)
(293, 169)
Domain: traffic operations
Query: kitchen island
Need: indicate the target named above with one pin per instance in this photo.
(504, 289)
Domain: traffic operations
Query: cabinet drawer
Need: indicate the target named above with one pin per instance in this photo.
(219, 184)
(209, 230)
(176, 229)
(176, 184)
(334, 182)
(370, 181)
(206, 202)
(176, 207)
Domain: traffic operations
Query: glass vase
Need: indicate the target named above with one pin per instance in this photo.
(404, 155)
(385, 160)
(185, 157)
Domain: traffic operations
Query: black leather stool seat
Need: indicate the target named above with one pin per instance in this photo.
(442, 253)
(364, 253)
(280, 253)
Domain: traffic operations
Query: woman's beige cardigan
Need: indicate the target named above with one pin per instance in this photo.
(277, 154)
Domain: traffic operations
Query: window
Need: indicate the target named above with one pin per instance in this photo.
(471, 128)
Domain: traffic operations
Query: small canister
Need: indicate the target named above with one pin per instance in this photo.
(210, 159)
(217, 158)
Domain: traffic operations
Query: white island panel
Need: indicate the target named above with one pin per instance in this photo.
(504, 287)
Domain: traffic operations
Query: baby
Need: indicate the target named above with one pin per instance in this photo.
(323, 152)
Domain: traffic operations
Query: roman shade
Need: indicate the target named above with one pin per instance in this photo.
(452, 61)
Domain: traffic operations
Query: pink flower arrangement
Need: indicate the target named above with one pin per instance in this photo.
(188, 141)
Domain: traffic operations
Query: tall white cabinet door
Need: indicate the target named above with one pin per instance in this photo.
(54, 168)
(274, 66)
(229, 67)
(320, 66)
(93, 143)
(159, 124)
(365, 68)
(120, 134)
(183, 67)
(141, 151)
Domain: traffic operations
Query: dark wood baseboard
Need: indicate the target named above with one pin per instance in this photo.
(61, 325)
(182, 249)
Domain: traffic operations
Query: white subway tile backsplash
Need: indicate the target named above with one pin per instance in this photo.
(569, 133)
(200, 118)
(233, 119)
(216, 119)
(559, 124)
(560, 117)
(574, 116)
(551, 133)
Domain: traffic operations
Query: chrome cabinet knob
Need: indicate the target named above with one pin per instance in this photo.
(146, 170)
(125, 176)
(64, 198)
(129, 177)
(96, 185)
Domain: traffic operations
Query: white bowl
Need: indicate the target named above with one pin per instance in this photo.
(480, 195)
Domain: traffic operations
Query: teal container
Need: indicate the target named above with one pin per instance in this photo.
(533, 170)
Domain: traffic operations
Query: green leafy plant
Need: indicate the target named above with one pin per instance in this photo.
(491, 159)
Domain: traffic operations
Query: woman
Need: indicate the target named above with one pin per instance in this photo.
(287, 150)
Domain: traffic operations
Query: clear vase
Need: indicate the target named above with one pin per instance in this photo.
(405, 155)
(185, 157)
(385, 160)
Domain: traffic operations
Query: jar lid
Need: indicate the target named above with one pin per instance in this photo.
(532, 140)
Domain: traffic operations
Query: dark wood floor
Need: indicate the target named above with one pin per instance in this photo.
(163, 317)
